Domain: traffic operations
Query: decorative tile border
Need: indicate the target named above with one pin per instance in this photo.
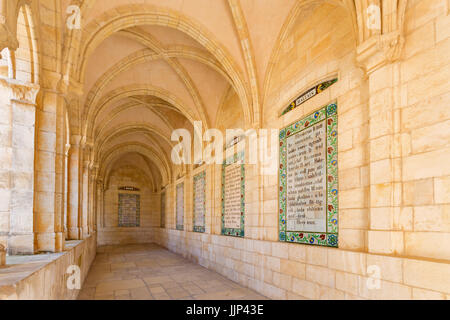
(234, 231)
(199, 178)
(180, 206)
(309, 94)
(330, 237)
(128, 202)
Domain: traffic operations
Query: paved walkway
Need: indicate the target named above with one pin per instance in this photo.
(148, 272)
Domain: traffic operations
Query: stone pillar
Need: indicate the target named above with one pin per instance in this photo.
(99, 205)
(66, 188)
(85, 200)
(92, 198)
(2, 255)
(73, 216)
(49, 174)
(17, 128)
(378, 55)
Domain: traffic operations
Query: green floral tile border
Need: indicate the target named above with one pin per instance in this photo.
(234, 231)
(197, 178)
(330, 237)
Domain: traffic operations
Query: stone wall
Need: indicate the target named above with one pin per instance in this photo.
(49, 281)
(110, 233)
(291, 271)
(393, 181)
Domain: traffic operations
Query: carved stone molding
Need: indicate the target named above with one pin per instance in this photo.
(379, 51)
(20, 91)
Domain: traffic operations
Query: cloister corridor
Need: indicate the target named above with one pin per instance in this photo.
(150, 272)
(224, 149)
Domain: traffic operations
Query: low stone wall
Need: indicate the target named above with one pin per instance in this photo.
(44, 277)
(292, 271)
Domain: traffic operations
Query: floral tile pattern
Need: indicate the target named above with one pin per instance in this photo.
(199, 202)
(330, 236)
(236, 232)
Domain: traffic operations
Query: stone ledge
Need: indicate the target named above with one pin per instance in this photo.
(43, 277)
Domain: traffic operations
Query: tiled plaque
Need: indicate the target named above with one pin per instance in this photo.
(163, 209)
(233, 196)
(129, 210)
(308, 180)
(199, 202)
(180, 206)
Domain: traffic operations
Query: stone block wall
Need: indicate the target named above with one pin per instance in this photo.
(50, 281)
(393, 178)
(110, 232)
(291, 271)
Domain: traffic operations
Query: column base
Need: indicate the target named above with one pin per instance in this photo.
(74, 233)
(60, 241)
(50, 242)
(21, 244)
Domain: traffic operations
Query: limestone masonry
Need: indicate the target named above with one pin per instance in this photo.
(120, 177)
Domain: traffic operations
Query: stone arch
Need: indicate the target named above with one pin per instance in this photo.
(108, 23)
(148, 177)
(150, 153)
(130, 128)
(25, 59)
(123, 108)
(133, 90)
(296, 11)
(127, 63)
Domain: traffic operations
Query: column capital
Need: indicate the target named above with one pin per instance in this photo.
(20, 91)
(379, 50)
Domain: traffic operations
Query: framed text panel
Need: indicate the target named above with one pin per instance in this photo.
(199, 202)
(308, 179)
(129, 210)
(180, 206)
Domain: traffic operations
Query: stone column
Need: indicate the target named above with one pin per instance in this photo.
(92, 198)
(85, 200)
(378, 56)
(73, 216)
(66, 188)
(49, 174)
(99, 205)
(2, 255)
(17, 128)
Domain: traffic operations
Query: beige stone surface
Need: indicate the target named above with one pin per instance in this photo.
(169, 277)
(88, 109)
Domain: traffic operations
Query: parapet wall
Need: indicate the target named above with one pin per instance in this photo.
(47, 279)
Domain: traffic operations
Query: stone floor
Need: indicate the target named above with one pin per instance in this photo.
(150, 272)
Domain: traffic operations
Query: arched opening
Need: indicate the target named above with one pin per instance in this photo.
(25, 58)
